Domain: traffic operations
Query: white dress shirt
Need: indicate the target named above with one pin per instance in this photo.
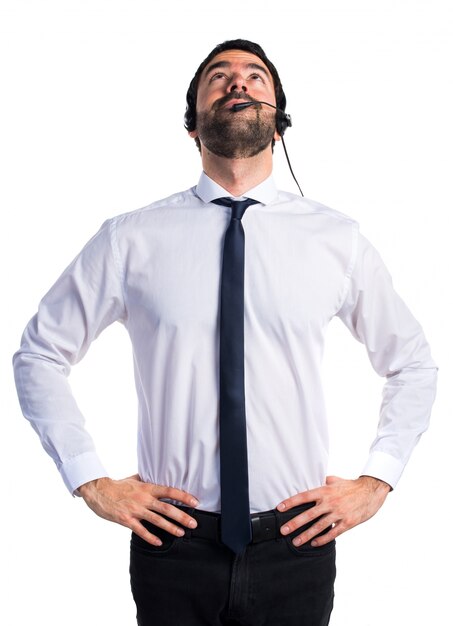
(157, 271)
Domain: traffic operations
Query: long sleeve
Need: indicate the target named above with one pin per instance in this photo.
(84, 300)
(157, 270)
(397, 349)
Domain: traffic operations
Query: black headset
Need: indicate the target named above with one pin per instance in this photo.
(282, 119)
(282, 122)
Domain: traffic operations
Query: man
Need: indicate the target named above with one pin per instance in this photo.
(228, 380)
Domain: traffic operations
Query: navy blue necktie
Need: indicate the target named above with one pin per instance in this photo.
(235, 507)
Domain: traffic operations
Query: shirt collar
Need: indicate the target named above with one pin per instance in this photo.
(208, 190)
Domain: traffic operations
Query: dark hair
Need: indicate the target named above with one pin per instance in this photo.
(190, 117)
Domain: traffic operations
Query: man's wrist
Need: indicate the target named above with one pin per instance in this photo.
(85, 489)
(375, 483)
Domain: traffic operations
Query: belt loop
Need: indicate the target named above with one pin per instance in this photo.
(279, 521)
(256, 528)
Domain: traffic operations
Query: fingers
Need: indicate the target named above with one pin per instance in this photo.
(164, 508)
(169, 510)
(161, 491)
(130, 500)
(316, 529)
(305, 497)
(131, 515)
(164, 524)
(339, 506)
(331, 480)
(318, 519)
(172, 493)
(152, 510)
(335, 531)
(301, 520)
(144, 534)
(321, 523)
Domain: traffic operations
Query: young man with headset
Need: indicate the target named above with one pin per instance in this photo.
(226, 290)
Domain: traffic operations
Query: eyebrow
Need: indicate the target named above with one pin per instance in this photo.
(252, 66)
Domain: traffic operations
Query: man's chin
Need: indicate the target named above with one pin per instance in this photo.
(235, 135)
(235, 151)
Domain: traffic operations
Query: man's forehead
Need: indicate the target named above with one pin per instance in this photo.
(233, 57)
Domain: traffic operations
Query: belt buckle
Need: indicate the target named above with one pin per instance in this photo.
(263, 527)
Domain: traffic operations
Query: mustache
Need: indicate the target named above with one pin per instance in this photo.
(234, 95)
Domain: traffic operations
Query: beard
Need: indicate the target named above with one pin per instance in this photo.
(236, 135)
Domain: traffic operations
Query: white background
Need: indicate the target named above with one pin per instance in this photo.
(92, 101)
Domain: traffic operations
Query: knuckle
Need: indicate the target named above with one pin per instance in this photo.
(341, 527)
(322, 541)
(291, 526)
(187, 520)
(151, 488)
(348, 521)
(124, 518)
(316, 529)
(154, 518)
(180, 518)
(177, 530)
(163, 507)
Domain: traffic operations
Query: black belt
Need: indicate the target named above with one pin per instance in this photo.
(265, 525)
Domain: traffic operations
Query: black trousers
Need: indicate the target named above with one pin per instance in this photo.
(194, 581)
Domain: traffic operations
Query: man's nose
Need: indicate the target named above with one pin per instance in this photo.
(237, 83)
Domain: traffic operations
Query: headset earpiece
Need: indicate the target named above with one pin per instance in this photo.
(283, 122)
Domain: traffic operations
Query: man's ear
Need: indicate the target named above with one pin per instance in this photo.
(277, 137)
(193, 133)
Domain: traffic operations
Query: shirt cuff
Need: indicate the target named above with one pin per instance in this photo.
(81, 469)
(385, 467)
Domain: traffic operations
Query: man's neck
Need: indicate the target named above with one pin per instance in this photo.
(237, 175)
